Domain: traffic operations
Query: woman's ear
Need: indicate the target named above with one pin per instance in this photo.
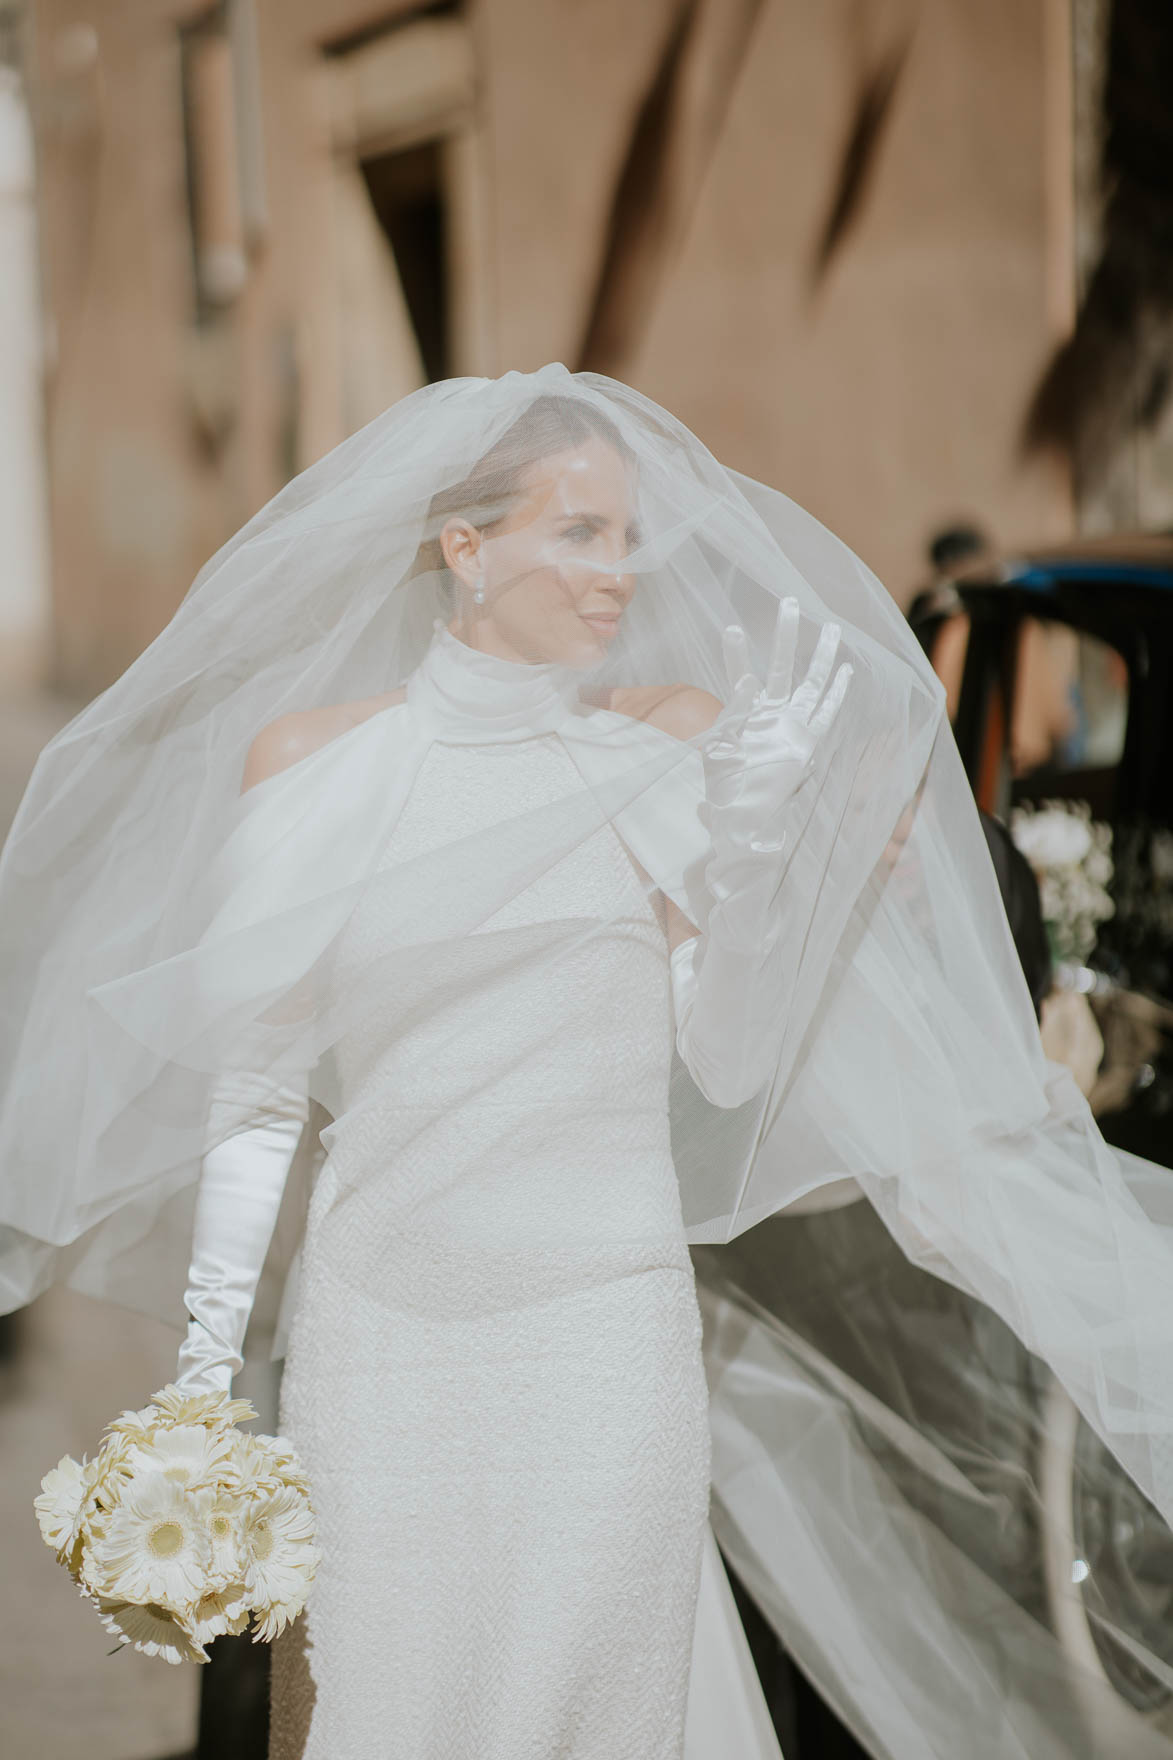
(460, 543)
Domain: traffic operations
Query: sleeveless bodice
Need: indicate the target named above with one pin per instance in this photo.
(532, 1053)
(613, 970)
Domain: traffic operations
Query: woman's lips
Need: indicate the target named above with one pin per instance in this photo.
(601, 621)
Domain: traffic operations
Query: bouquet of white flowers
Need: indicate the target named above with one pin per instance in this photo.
(183, 1527)
(1070, 853)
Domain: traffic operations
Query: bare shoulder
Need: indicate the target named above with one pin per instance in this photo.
(682, 710)
(290, 738)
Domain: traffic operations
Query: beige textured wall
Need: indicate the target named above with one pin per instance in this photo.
(162, 439)
(132, 505)
(888, 406)
(895, 399)
(562, 86)
(891, 403)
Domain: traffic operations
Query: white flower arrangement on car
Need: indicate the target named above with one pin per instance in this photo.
(183, 1527)
(1070, 853)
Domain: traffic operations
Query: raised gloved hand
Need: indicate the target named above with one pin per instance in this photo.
(241, 1185)
(730, 983)
(761, 749)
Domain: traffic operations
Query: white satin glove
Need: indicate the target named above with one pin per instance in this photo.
(759, 752)
(730, 983)
(241, 1184)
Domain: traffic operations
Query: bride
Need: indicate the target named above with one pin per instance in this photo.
(495, 1268)
(494, 880)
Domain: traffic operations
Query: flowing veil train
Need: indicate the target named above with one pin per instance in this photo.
(442, 931)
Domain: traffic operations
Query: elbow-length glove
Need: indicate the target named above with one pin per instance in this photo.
(241, 1184)
(730, 982)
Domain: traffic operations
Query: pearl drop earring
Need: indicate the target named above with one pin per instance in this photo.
(478, 591)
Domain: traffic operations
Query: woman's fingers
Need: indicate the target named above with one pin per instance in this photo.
(736, 651)
(734, 715)
(780, 676)
(819, 671)
(833, 701)
(804, 703)
(721, 743)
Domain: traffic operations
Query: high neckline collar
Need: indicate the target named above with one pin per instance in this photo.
(467, 696)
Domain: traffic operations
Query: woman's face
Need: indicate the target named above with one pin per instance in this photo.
(555, 586)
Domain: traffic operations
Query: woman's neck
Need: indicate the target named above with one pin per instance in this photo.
(466, 695)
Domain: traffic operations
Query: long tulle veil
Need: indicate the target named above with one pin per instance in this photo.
(161, 933)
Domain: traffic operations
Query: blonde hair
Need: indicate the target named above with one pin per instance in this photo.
(496, 482)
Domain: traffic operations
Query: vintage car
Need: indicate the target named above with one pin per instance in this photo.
(1099, 617)
(1103, 611)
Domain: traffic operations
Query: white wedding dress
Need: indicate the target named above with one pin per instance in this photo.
(495, 1377)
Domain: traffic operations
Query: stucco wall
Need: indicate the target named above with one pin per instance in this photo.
(888, 405)
(891, 402)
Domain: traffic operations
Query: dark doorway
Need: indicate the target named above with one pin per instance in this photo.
(407, 194)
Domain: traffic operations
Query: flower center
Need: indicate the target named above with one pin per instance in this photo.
(166, 1539)
(262, 1541)
(221, 1527)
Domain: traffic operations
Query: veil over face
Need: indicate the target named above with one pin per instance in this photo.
(165, 935)
(551, 570)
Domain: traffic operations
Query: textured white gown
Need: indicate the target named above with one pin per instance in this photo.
(495, 1376)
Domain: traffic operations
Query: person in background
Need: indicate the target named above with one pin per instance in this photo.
(936, 615)
(1047, 720)
(1066, 1023)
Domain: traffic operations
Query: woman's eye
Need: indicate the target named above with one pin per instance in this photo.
(579, 533)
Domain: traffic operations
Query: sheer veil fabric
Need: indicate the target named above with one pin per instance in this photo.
(166, 937)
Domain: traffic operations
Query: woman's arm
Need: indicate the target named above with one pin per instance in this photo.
(731, 977)
(684, 713)
(242, 1180)
(243, 1177)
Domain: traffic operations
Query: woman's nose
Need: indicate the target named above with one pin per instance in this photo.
(618, 579)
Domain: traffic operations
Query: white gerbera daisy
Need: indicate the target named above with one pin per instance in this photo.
(187, 1454)
(152, 1629)
(154, 1545)
(251, 1474)
(272, 1620)
(284, 1465)
(136, 1426)
(222, 1614)
(214, 1409)
(224, 1525)
(58, 1508)
(277, 1535)
(112, 1463)
(265, 1465)
(116, 1451)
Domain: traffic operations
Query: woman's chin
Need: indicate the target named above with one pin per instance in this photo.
(594, 646)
